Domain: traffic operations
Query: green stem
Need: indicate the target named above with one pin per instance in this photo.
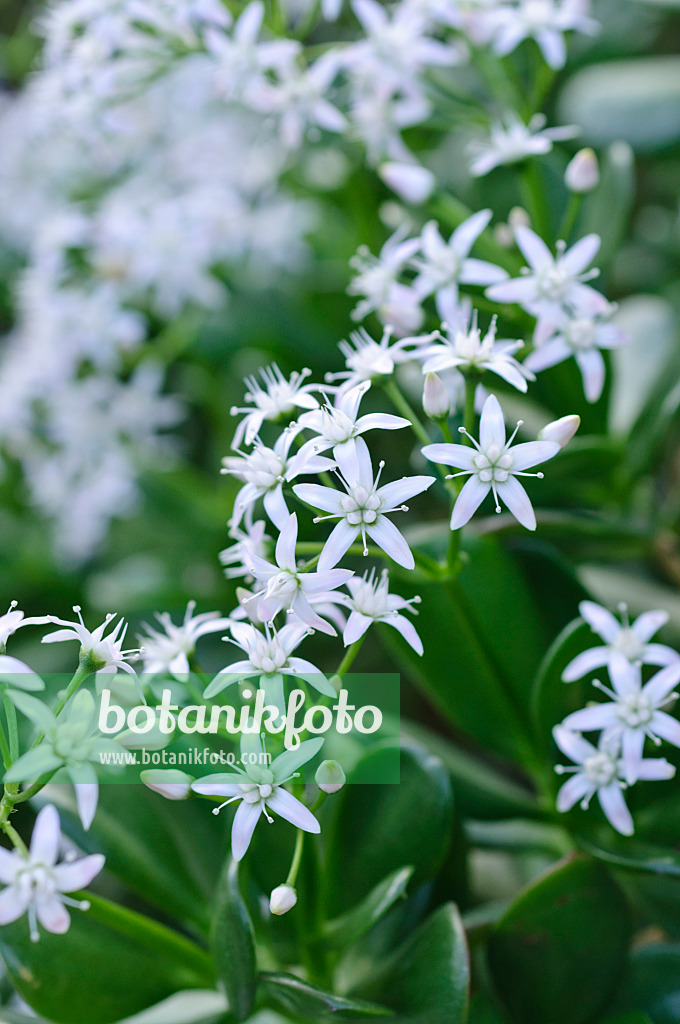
(79, 677)
(15, 838)
(570, 214)
(469, 416)
(533, 191)
(297, 858)
(28, 794)
(401, 403)
(350, 655)
(12, 728)
(4, 749)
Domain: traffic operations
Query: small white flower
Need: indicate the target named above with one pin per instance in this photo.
(552, 282)
(493, 464)
(370, 601)
(277, 399)
(36, 884)
(289, 589)
(622, 637)
(261, 790)
(338, 426)
(270, 656)
(464, 348)
(443, 266)
(252, 538)
(264, 471)
(510, 140)
(13, 619)
(634, 712)
(105, 653)
(546, 21)
(581, 337)
(368, 360)
(363, 508)
(601, 771)
(377, 280)
(168, 650)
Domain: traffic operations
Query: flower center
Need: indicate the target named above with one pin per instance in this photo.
(361, 505)
(635, 710)
(493, 464)
(337, 427)
(581, 334)
(628, 644)
(283, 586)
(268, 655)
(600, 769)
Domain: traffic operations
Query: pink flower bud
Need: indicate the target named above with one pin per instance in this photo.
(583, 172)
(561, 430)
(436, 402)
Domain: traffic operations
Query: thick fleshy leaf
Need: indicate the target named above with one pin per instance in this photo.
(378, 829)
(653, 983)
(301, 1001)
(132, 962)
(232, 944)
(559, 951)
(426, 980)
(344, 930)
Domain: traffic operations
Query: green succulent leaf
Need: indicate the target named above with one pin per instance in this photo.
(232, 944)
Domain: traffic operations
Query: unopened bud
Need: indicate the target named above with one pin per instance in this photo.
(561, 430)
(411, 182)
(436, 402)
(519, 218)
(169, 782)
(329, 777)
(583, 172)
(282, 899)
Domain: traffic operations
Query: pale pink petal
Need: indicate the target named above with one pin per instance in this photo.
(533, 248)
(52, 914)
(78, 873)
(12, 904)
(46, 836)
(593, 370)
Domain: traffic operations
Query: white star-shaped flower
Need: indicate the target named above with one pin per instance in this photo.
(338, 426)
(546, 21)
(510, 140)
(261, 790)
(168, 649)
(13, 619)
(622, 637)
(582, 337)
(289, 589)
(37, 884)
(104, 652)
(493, 464)
(277, 397)
(634, 712)
(363, 509)
(464, 348)
(600, 770)
(370, 601)
(443, 266)
(264, 471)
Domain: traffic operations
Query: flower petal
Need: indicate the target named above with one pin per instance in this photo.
(13, 904)
(583, 663)
(666, 727)
(399, 491)
(289, 807)
(599, 716)
(325, 498)
(492, 424)
(468, 501)
(387, 536)
(613, 804)
(46, 836)
(78, 873)
(632, 743)
(581, 255)
(458, 455)
(647, 624)
(533, 248)
(245, 820)
(573, 790)
(516, 498)
(285, 545)
(600, 620)
(52, 914)
(661, 684)
(342, 537)
(532, 453)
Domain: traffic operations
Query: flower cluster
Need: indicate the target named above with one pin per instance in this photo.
(634, 713)
(123, 228)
